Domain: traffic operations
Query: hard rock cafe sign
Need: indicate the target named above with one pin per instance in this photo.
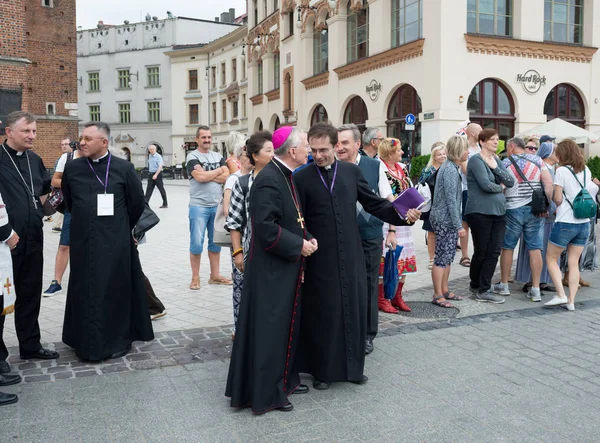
(373, 90)
(531, 81)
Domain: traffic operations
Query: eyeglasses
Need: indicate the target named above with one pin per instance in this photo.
(531, 148)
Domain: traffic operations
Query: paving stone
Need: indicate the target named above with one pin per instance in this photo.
(63, 375)
(138, 357)
(35, 378)
(114, 368)
(85, 374)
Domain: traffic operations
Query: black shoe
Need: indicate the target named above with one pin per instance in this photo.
(4, 367)
(9, 379)
(287, 408)
(363, 381)
(164, 206)
(301, 389)
(8, 399)
(320, 385)
(42, 354)
(369, 346)
(122, 353)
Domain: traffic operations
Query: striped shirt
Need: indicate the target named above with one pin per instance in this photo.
(532, 167)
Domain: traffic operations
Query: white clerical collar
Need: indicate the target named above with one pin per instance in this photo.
(328, 167)
(284, 164)
(357, 161)
(20, 153)
(98, 159)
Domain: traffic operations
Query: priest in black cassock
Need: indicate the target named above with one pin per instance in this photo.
(262, 372)
(106, 302)
(334, 303)
(23, 180)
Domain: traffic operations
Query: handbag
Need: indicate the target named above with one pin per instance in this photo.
(539, 201)
(390, 272)
(147, 221)
(57, 201)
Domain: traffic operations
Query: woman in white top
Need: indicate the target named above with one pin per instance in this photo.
(569, 231)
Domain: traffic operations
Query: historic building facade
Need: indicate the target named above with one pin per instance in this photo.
(507, 64)
(38, 69)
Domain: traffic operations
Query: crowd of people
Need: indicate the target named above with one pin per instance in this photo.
(311, 218)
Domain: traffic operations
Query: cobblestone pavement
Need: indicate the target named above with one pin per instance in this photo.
(525, 376)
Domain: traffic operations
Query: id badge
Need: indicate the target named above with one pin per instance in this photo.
(106, 205)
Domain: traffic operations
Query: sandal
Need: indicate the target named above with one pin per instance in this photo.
(220, 280)
(452, 296)
(442, 304)
(195, 284)
(465, 261)
(430, 264)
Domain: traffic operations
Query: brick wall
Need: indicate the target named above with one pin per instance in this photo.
(12, 44)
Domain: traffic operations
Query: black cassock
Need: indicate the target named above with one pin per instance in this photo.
(106, 302)
(334, 294)
(262, 371)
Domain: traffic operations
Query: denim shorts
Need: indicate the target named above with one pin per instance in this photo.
(565, 234)
(202, 218)
(65, 232)
(522, 221)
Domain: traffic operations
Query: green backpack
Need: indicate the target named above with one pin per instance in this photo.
(583, 205)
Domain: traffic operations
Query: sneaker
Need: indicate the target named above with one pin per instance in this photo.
(501, 289)
(556, 300)
(159, 315)
(56, 229)
(489, 297)
(569, 306)
(164, 206)
(472, 290)
(54, 289)
(534, 294)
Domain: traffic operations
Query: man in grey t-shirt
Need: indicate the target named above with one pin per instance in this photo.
(207, 172)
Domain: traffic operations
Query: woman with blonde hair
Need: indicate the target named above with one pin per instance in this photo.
(446, 219)
(437, 157)
(234, 140)
(570, 232)
(390, 153)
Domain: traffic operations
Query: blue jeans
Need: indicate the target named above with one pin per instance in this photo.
(522, 221)
(202, 218)
(565, 234)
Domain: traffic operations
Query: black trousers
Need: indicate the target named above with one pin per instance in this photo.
(488, 234)
(159, 184)
(155, 306)
(372, 251)
(27, 274)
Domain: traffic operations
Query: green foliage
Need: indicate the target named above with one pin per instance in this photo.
(594, 164)
(417, 164)
(500, 147)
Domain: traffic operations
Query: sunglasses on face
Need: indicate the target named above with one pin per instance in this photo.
(531, 148)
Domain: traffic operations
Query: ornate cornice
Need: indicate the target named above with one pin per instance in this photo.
(395, 55)
(272, 95)
(287, 6)
(267, 41)
(480, 44)
(319, 14)
(257, 99)
(316, 80)
(355, 5)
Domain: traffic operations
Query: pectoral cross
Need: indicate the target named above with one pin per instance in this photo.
(301, 220)
(34, 201)
(8, 286)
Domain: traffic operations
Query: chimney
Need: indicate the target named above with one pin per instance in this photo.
(231, 15)
(217, 19)
(225, 17)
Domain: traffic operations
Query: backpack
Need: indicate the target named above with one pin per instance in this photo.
(583, 204)
(539, 201)
(221, 235)
(427, 188)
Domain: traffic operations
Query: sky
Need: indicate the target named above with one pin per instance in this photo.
(113, 12)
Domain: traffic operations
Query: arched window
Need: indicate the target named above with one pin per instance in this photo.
(565, 102)
(288, 92)
(405, 101)
(259, 77)
(358, 35)
(127, 153)
(356, 112)
(319, 115)
(277, 123)
(320, 51)
(491, 105)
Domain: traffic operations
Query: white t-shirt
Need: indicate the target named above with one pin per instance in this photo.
(472, 151)
(230, 182)
(571, 188)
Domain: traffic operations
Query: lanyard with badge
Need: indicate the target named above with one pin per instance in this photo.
(106, 202)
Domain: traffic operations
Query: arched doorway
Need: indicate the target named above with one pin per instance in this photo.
(127, 153)
(565, 102)
(356, 112)
(319, 115)
(405, 101)
(258, 125)
(159, 149)
(276, 123)
(491, 105)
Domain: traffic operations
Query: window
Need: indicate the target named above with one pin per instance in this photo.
(290, 23)
(223, 110)
(214, 112)
(407, 21)
(124, 113)
(319, 115)
(193, 80)
(275, 5)
(213, 76)
(234, 109)
(243, 68)
(356, 112)
(153, 112)
(50, 108)
(358, 35)
(193, 113)
(153, 76)
(288, 92)
(94, 81)
(243, 105)
(223, 76)
(94, 113)
(10, 100)
(276, 72)
(491, 105)
(260, 77)
(320, 51)
(565, 102)
(48, 3)
(563, 21)
(265, 13)
(255, 13)
(405, 101)
(124, 77)
(234, 70)
(492, 17)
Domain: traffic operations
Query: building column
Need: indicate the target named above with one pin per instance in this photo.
(268, 77)
(524, 28)
(380, 26)
(337, 40)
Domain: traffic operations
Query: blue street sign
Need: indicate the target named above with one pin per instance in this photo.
(410, 119)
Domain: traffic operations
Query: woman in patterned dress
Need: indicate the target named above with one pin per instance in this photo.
(390, 153)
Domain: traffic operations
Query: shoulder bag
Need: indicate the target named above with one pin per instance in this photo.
(539, 201)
